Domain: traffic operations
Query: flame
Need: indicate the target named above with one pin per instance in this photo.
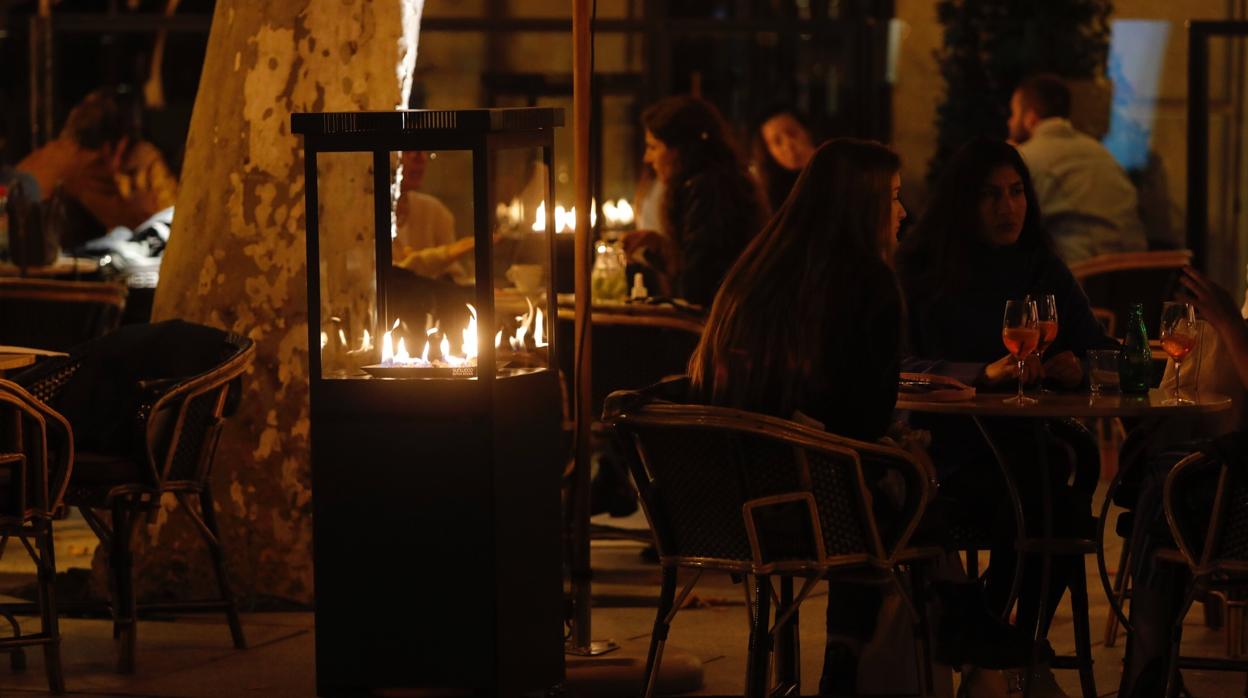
(424, 355)
(342, 337)
(445, 346)
(539, 222)
(324, 339)
(469, 346)
(539, 332)
(387, 349)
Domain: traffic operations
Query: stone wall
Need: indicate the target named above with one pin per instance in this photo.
(236, 260)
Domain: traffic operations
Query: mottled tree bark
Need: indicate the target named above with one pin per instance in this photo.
(236, 260)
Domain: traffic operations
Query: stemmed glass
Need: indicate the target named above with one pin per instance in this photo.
(1046, 322)
(1178, 339)
(1021, 334)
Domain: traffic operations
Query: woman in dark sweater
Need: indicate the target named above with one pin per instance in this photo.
(809, 320)
(979, 244)
(712, 208)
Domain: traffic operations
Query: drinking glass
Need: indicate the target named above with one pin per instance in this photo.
(1046, 322)
(1178, 339)
(1021, 335)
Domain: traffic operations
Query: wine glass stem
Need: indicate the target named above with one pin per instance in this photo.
(1021, 362)
(1178, 365)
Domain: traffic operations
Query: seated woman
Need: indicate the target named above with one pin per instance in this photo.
(711, 207)
(1157, 588)
(782, 145)
(811, 296)
(978, 245)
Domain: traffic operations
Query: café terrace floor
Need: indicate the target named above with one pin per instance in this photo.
(192, 656)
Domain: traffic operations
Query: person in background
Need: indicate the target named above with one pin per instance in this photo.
(1090, 207)
(781, 145)
(93, 159)
(979, 244)
(711, 207)
(424, 240)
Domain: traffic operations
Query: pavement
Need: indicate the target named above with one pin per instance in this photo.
(191, 655)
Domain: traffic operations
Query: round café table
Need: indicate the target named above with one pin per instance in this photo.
(8, 362)
(1059, 405)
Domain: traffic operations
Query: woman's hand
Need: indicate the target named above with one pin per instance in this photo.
(1214, 302)
(1065, 369)
(1006, 368)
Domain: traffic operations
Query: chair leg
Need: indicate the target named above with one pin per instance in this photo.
(1082, 627)
(788, 652)
(922, 631)
(121, 564)
(215, 549)
(658, 636)
(1122, 578)
(47, 607)
(760, 640)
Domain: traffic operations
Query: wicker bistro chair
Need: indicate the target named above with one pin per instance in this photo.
(763, 497)
(178, 422)
(36, 457)
(1216, 557)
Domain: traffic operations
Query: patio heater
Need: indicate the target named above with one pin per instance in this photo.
(436, 438)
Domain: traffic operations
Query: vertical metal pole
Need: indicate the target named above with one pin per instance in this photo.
(581, 114)
(381, 236)
(1198, 143)
(580, 483)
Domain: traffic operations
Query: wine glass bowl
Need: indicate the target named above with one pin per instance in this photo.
(1020, 333)
(1178, 339)
(1046, 321)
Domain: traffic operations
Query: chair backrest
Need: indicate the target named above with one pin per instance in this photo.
(167, 425)
(57, 315)
(630, 349)
(1220, 541)
(182, 419)
(44, 443)
(1114, 281)
(741, 491)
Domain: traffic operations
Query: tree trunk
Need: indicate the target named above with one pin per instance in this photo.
(236, 260)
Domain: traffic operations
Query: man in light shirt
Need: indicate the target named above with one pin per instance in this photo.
(1089, 206)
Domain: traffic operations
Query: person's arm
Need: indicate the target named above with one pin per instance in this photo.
(1216, 305)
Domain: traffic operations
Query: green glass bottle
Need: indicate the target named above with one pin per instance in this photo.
(1135, 363)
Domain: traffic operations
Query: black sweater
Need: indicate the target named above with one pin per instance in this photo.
(958, 332)
(711, 223)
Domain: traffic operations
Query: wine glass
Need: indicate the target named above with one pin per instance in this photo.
(1046, 322)
(1021, 335)
(1178, 339)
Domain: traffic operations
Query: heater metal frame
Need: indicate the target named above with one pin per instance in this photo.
(436, 501)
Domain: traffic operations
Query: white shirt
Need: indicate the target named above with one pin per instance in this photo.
(425, 228)
(1089, 206)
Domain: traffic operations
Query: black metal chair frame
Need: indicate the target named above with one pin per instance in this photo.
(878, 561)
(1211, 567)
(42, 476)
(163, 421)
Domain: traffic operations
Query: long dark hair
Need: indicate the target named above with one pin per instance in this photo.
(935, 253)
(776, 180)
(703, 143)
(763, 339)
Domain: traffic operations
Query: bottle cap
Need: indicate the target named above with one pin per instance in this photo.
(639, 287)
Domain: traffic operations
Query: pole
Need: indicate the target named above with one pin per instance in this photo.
(582, 67)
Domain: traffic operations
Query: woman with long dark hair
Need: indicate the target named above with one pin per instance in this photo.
(809, 320)
(979, 244)
(781, 145)
(711, 208)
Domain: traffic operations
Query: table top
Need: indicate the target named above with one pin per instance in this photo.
(1073, 405)
(9, 362)
(63, 266)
